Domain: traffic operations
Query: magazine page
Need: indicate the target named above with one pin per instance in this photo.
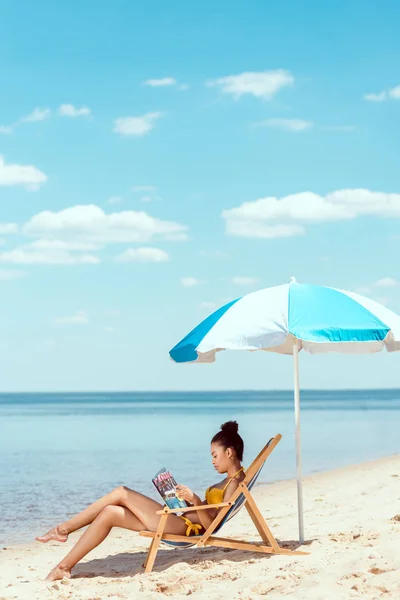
(166, 486)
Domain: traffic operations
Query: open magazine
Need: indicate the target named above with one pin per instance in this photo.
(166, 486)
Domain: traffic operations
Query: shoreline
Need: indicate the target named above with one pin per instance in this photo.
(258, 486)
(352, 524)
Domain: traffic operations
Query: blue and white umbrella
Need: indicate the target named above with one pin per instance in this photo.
(286, 319)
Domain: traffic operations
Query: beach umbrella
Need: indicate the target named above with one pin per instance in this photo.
(289, 318)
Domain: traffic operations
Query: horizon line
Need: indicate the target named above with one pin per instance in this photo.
(191, 391)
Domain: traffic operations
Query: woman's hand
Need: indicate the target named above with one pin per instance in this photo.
(182, 491)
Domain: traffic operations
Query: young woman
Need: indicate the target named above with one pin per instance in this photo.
(132, 510)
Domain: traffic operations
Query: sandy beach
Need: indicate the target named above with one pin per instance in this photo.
(352, 519)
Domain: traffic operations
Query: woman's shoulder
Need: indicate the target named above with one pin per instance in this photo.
(218, 485)
(233, 482)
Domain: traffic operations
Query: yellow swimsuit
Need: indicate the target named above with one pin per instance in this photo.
(214, 495)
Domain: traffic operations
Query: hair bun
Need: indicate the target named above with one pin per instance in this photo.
(230, 427)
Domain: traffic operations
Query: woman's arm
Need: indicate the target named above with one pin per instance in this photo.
(205, 517)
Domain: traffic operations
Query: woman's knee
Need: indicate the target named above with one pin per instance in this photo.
(121, 492)
(111, 513)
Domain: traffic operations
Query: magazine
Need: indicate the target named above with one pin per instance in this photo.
(166, 486)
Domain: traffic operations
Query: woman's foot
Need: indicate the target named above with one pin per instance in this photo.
(58, 572)
(55, 534)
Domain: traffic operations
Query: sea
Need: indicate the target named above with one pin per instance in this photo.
(61, 451)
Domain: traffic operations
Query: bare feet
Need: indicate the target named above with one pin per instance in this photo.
(54, 534)
(58, 572)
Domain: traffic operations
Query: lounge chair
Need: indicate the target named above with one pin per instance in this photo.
(227, 510)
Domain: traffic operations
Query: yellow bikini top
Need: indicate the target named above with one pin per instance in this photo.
(215, 495)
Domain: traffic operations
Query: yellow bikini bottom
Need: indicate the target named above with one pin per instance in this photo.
(191, 528)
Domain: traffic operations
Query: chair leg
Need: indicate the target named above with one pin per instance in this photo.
(148, 554)
(151, 556)
(259, 521)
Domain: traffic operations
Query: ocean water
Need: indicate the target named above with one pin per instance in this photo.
(59, 452)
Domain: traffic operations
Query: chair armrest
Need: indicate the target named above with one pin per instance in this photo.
(171, 511)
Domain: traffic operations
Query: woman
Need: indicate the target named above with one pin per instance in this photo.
(132, 510)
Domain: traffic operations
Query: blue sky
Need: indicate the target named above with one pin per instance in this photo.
(162, 158)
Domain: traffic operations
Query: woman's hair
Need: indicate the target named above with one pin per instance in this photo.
(228, 437)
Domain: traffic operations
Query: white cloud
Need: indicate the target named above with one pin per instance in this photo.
(47, 252)
(380, 97)
(109, 329)
(113, 312)
(143, 188)
(263, 84)
(26, 257)
(190, 281)
(38, 114)
(208, 305)
(253, 229)
(163, 82)
(91, 223)
(362, 290)
(395, 92)
(137, 126)
(26, 175)
(149, 196)
(386, 282)
(381, 300)
(7, 228)
(114, 200)
(258, 218)
(64, 245)
(297, 125)
(143, 255)
(381, 284)
(8, 274)
(69, 110)
(245, 281)
(79, 318)
(166, 82)
(287, 124)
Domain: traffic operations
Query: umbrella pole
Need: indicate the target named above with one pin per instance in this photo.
(298, 442)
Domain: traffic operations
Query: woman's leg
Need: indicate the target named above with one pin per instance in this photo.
(60, 532)
(141, 516)
(140, 505)
(110, 516)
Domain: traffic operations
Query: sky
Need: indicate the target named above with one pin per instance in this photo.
(159, 159)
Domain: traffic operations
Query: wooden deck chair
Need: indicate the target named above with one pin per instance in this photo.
(227, 510)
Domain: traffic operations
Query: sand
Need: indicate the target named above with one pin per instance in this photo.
(352, 522)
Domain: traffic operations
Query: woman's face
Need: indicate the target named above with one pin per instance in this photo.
(220, 457)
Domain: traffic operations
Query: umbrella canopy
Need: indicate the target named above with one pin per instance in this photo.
(321, 319)
(286, 319)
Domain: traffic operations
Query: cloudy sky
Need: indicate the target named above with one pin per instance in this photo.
(158, 159)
